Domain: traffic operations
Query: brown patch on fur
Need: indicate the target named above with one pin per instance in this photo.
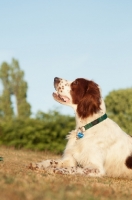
(129, 162)
(87, 96)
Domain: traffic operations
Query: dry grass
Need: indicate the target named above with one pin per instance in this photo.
(19, 183)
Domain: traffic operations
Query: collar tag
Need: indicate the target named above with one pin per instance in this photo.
(80, 135)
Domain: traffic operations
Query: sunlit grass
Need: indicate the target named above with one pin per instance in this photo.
(17, 182)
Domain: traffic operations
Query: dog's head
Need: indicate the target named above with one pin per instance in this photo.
(83, 94)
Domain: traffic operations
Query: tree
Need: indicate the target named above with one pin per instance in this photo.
(12, 78)
(19, 89)
(119, 108)
(6, 109)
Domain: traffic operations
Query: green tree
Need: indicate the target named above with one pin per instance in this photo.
(12, 79)
(19, 89)
(119, 108)
(5, 99)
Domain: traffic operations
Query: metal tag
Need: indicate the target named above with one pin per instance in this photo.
(80, 135)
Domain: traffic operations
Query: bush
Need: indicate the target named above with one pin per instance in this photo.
(46, 132)
(119, 108)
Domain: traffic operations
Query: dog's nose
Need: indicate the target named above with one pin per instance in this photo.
(56, 79)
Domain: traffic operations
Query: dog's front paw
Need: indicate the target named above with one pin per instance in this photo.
(91, 172)
(43, 165)
(40, 165)
(68, 170)
(33, 166)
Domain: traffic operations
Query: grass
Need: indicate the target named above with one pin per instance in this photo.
(17, 182)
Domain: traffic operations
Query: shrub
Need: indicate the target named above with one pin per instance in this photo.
(46, 132)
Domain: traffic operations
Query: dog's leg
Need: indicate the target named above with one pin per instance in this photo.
(54, 165)
(92, 163)
(66, 162)
(79, 171)
(66, 170)
(44, 164)
(94, 172)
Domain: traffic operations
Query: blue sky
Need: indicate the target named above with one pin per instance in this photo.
(68, 39)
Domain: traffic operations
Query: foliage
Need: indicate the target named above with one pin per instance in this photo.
(19, 89)
(46, 132)
(119, 108)
(5, 99)
(12, 78)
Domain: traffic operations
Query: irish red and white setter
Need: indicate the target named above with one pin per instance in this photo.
(97, 146)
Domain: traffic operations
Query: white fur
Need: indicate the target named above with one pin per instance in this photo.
(101, 152)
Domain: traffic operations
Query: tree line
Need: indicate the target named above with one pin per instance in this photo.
(46, 131)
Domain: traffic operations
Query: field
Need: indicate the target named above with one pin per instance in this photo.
(17, 182)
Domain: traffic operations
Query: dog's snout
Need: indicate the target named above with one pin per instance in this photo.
(56, 82)
(56, 79)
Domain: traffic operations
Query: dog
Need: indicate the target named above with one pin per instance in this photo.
(98, 146)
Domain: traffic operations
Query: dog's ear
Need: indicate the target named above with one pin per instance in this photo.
(90, 103)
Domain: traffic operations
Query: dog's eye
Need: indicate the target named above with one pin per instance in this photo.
(75, 82)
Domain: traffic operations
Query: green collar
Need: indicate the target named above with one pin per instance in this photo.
(91, 124)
